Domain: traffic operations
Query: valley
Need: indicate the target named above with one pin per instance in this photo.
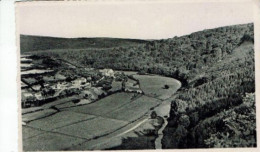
(193, 91)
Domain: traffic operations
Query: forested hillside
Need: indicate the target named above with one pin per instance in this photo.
(215, 106)
(35, 43)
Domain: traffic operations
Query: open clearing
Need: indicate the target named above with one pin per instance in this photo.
(153, 85)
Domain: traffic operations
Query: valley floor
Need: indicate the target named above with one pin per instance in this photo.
(119, 121)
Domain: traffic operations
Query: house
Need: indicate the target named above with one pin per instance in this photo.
(79, 81)
(27, 99)
(107, 72)
(38, 96)
(26, 94)
(59, 77)
(36, 87)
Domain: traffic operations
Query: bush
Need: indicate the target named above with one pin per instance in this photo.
(153, 115)
(166, 86)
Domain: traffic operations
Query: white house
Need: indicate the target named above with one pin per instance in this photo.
(108, 72)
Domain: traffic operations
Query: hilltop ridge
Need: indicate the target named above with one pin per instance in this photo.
(35, 43)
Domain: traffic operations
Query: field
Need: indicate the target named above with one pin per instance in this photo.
(50, 141)
(28, 132)
(135, 110)
(105, 105)
(153, 85)
(38, 115)
(58, 120)
(61, 101)
(92, 128)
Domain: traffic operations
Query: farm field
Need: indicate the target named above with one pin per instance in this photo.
(38, 115)
(153, 85)
(32, 109)
(57, 120)
(135, 110)
(105, 105)
(50, 141)
(61, 101)
(92, 128)
(28, 132)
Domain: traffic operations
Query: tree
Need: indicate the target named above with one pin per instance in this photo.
(153, 115)
(166, 86)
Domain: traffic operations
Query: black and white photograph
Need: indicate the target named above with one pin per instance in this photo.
(136, 75)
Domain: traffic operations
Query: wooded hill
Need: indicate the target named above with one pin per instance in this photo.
(35, 43)
(215, 106)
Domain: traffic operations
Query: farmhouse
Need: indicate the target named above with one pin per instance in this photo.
(27, 99)
(36, 87)
(79, 81)
(26, 94)
(38, 96)
(108, 72)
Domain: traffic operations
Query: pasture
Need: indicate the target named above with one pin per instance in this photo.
(105, 105)
(153, 85)
(50, 141)
(28, 132)
(134, 110)
(92, 128)
(59, 119)
(37, 115)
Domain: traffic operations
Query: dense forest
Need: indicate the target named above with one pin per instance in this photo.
(36, 43)
(215, 106)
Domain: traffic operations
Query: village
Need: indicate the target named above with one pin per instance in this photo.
(87, 85)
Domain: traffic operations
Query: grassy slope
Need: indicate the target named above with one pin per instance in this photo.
(36, 43)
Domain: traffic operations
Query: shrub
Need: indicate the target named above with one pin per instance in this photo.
(166, 86)
(153, 115)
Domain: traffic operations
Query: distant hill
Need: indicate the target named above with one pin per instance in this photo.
(30, 43)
